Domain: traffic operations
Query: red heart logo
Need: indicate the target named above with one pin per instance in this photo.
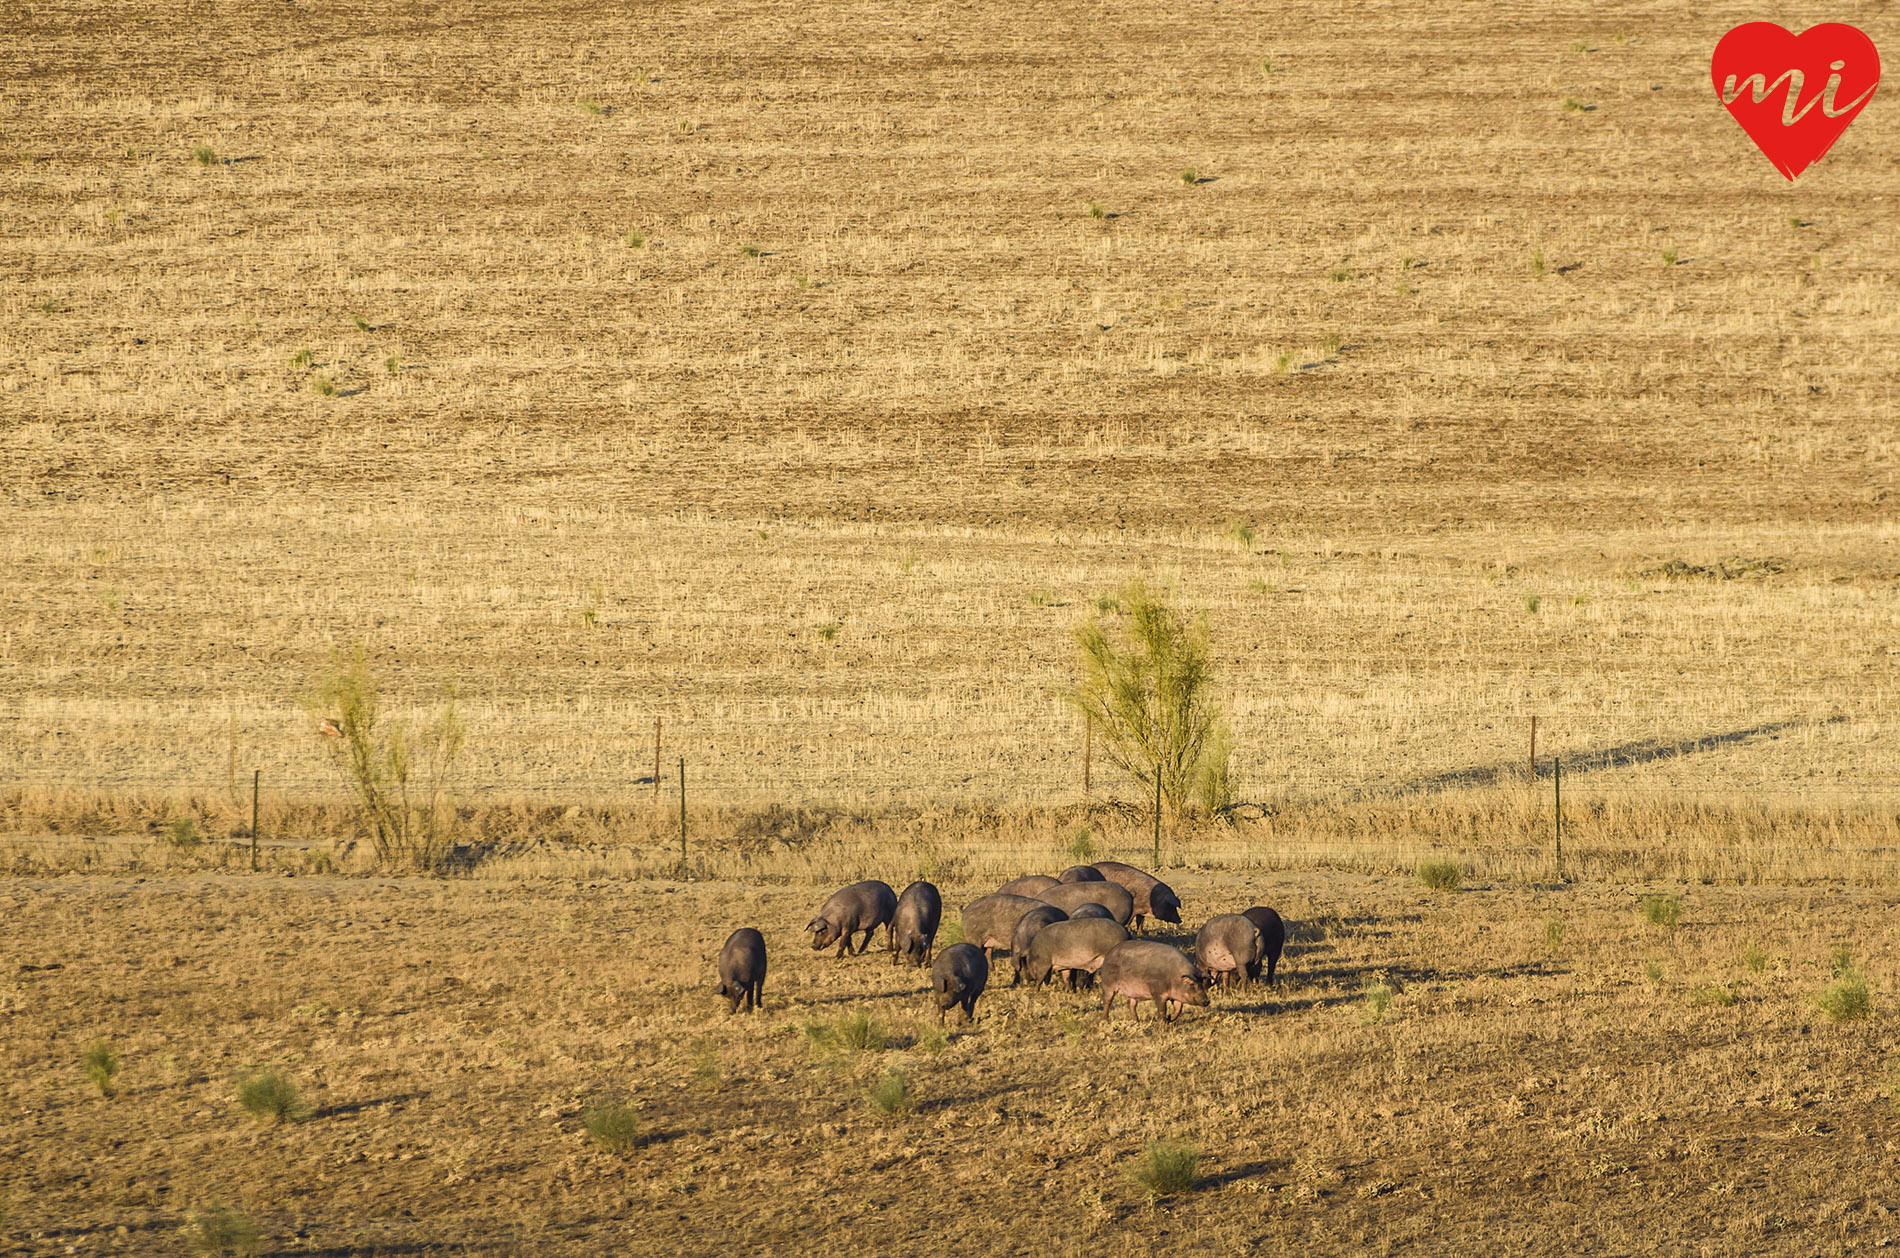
(1795, 94)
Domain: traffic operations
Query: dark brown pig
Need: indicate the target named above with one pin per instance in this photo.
(1153, 897)
(742, 970)
(961, 973)
(914, 927)
(1028, 884)
(1026, 927)
(1091, 910)
(1080, 873)
(1272, 939)
(1142, 969)
(1069, 948)
(862, 906)
(991, 921)
(1070, 896)
(1229, 948)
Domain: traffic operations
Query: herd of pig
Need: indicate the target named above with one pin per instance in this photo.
(1072, 928)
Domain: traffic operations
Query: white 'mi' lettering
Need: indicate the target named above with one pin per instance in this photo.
(1761, 89)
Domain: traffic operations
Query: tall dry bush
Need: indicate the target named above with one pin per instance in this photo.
(1148, 686)
(401, 780)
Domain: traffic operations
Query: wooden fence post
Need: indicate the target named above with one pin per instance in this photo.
(257, 776)
(682, 817)
(1557, 788)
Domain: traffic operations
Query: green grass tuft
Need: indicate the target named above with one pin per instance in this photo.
(182, 833)
(1378, 999)
(205, 155)
(1166, 1168)
(1441, 875)
(101, 1063)
(891, 1094)
(268, 1095)
(1662, 910)
(1848, 998)
(614, 1126)
(220, 1232)
(324, 386)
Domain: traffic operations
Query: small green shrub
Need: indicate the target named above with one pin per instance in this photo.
(1339, 277)
(1081, 847)
(636, 241)
(1848, 998)
(1239, 532)
(182, 833)
(614, 1126)
(1331, 344)
(268, 1095)
(1662, 910)
(1441, 875)
(1283, 363)
(750, 251)
(1755, 959)
(220, 1232)
(830, 631)
(100, 1063)
(951, 932)
(1532, 602)
(1038, 598)
(1166, 1168)
(324, 386)
(205, 155)
(929, 1038)
(392, 364)
(362, 324)
(891, 1094)
(1096, 210)
(301, 358)
(1653, 973)
(1574, 106)
(1537, 262)
(1554, 933)
(1377, 998)
(1670, 255)
(1190, 177)
(591, 106)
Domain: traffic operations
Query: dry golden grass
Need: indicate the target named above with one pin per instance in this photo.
(800, 379)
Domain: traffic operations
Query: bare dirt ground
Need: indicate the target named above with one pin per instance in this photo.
(1530, 1087)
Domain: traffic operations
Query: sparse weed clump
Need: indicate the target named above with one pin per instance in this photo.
(1097, 211)
(1441, 875)
(1755, 959)
(1537, 262)
(220, 1232)
(100, 1062)
(1662, 910)
(1653, 973)
(636, 241)
(1081, 846)
(1848, 998)
(362, 324)
(1554, 933)
(302, 358)
(1670, 255)
(392, 364)
(614, 1126)
(1377, 998)
(1574, 106)
(182, 834)
(1532, 602)
(855, 1033)
(1166, 1168)
(205, 155)
(862, 1033)
(590, 106)
(706, 1068)
(891, 1094)
(1190, 177)
(323, 386)
(1712, 994)
(268, 1096)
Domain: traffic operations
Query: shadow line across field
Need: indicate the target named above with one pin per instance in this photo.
(1621, 756)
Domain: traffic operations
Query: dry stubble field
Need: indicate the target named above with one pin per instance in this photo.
(767, 371)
